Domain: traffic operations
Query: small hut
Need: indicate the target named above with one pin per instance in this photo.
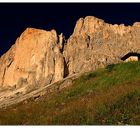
(131, 56)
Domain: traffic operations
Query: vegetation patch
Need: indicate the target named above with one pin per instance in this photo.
(109, 96)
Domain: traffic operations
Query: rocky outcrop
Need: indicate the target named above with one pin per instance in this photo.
(34, 59)
(95, 44)
(41, 57)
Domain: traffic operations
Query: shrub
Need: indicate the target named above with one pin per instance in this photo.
(110, 68)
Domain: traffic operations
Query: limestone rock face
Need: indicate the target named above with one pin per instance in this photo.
(35, 57)
(95, 44)
(41, 57)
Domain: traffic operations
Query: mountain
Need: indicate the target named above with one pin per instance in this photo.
(41, 58)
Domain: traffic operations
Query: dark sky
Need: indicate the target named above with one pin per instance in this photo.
(15, 18)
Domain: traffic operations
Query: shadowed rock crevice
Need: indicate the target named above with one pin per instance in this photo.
(3, 76)
(88, 41)
(66, 69)
(61, 42)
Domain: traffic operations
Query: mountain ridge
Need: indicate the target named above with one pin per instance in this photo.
(39, 57)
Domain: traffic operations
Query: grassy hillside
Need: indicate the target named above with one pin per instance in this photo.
(109, 96)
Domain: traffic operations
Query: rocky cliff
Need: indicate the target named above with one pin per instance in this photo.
(34, 58)
(41, 57)
(95, 44)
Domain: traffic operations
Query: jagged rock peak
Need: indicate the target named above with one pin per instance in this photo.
(136, 24)
(95, 44)
(91, 24)
(37, 57)
(32, 32)
(87, 24)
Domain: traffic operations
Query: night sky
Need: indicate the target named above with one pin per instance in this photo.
(15, 18)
